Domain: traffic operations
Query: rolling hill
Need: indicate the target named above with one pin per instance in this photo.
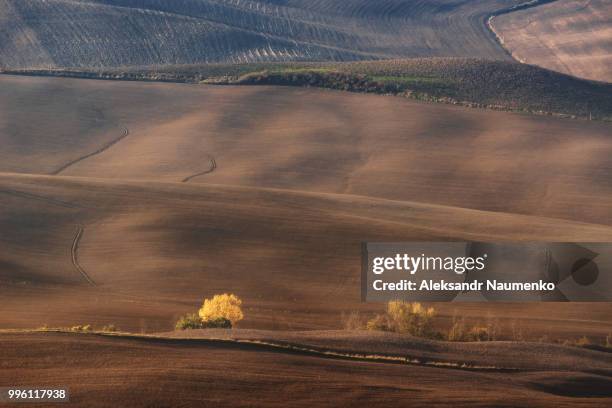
(113, 33)
(140, 253)
(308, 140)
(127, 202)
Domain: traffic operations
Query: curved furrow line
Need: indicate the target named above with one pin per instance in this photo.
(212, 166)
(102, 149)
(522, 6)
(225, 31)
(74, 256)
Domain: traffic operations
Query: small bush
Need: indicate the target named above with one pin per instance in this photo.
(410, 318)
(457, 330)
(493, 328)
(352, 321)
(189, 321)
(110, 328)
(193, 321)
(226, 306)
(580, 342)
(479, 333)
(81, 328)
(405, 317)
(583, 341)
(380, 323)
(218, 323)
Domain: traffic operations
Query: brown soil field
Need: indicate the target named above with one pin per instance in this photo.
(152, 250)
(570, 36)
(127, 203)
(103, 371)
(309, 140)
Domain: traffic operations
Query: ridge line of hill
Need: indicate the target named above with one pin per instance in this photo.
(190, 187)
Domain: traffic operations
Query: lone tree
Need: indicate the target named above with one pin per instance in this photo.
(220, 312)
(225, 306)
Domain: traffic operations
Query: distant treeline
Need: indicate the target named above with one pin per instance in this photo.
(500, 85)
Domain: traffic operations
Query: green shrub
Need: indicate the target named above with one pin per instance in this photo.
(189, 321)
(193, 321)
(218, 323)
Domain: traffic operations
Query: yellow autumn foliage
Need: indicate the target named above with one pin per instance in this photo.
(227, 306)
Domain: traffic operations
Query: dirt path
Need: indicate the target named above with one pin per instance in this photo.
(211, 168)
(107, 146)
(74, 255)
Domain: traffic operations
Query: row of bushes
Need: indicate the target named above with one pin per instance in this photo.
(484, 84)
(404, 317)
(109, 328)
(193, 321)
(224, 311)
(417, 320)
(322, 79)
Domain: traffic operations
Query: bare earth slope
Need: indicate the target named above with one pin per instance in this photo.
(499, 355)
(170, 192)
(570, 36)
(150, 251)
(165, 372)
(127, 203)
(310, 140)
(112, 33)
